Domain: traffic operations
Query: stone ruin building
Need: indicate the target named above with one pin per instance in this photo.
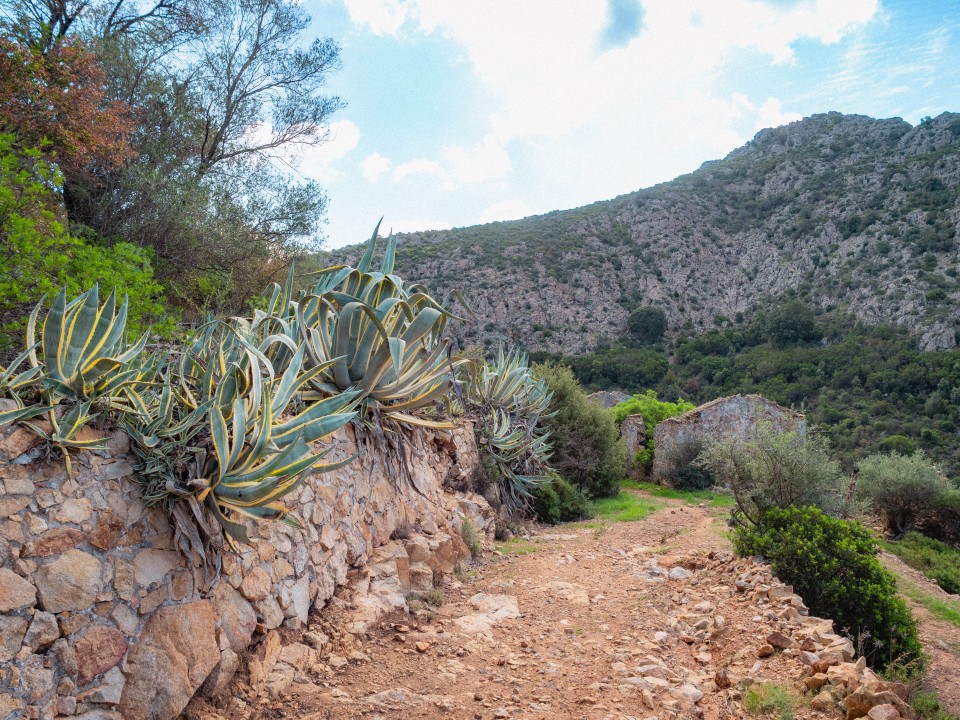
(736, 416)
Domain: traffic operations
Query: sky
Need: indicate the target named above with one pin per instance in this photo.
(461, 112)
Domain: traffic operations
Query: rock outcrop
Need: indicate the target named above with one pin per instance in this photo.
(841, 209)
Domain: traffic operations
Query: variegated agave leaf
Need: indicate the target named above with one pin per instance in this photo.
(85, 353)
(14, 383)
(388, 339)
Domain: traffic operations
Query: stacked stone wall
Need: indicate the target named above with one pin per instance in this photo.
(102, 618)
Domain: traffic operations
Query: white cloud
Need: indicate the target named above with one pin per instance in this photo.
(582, 124)
(486, 160)
(382, 17)
(507, 210)
(418, 166)
(375, 166)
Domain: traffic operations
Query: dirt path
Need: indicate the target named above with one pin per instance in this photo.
(592, 621)
(626, 621)
(941, 639)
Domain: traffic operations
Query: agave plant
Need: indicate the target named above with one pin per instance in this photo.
(386, 340)
(85, 353)
(508, 402)
(86, 365)
(219, 432)
(13, 384)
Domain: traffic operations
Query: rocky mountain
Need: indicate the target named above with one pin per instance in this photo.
(838, 210)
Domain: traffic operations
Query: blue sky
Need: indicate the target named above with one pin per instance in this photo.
(461, 112)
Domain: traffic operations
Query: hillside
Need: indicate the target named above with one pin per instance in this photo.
(843, 210)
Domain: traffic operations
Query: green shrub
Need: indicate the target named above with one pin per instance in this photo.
(943, 522)
(773, 470)
(832, 565)
(587, 450)
(559, 501)
(684, 472)
(647, 324)
(652, 411)
(900, 444)
(937, 560)
(902, 488)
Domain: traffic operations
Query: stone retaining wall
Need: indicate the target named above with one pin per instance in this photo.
(101, 618)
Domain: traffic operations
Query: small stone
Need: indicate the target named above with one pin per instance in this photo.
(823, 701)
(12, 630)
(53, 542)
(270, 612)
(153, 565)
(43, 631)
(238, 619)
(74, 510)
(100, 649)
(256, 584)
(422, 647)
(690, 692)
(71, 582)
(883, 712)
(679, 573)
(816, 681)
(222, 674)
(15, 592)
(779, 640)
(109, 528)
(765, 651)
(108, 692)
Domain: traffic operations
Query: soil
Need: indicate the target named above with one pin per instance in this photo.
(940, 638)
(590, 611)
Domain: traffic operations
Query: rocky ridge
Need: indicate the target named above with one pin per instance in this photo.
(838, 209)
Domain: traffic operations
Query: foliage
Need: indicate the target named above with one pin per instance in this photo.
(928, 707)
(59, 97)
(937, 560)
(897, 444)
(903, 488)
(623, 507)
(647, 324)
(683, 471)
(470, 538)
(383, 338)
(775, 471)
(791, 323)
(653, 412)
(587, 450)
(232, 443)
(832, 565)
(943, 522)
(170, 123)
(559, 501)
(39, 256)
(767, 699)
(509, 404)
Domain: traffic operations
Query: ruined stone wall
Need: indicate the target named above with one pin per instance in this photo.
(101, 618)
(734, 416)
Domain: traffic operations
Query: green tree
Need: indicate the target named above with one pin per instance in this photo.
(653, 411)
(647, 324)
(792, 323)
(587, 450)
(38, 255)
